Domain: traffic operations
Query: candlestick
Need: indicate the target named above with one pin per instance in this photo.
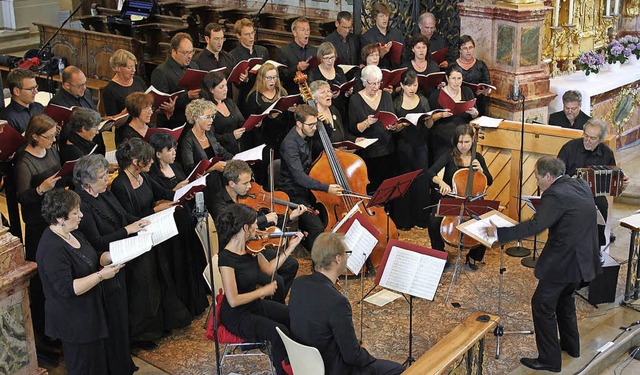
(608, 9)
(570, 12)
(616, 9)
(556, 13)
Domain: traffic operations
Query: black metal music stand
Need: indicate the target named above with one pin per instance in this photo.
(531, 261)
(469, 207)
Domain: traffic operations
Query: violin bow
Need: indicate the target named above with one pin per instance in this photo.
(280, 243)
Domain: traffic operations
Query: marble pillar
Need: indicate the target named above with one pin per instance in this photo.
(508, 37)
(18, 353)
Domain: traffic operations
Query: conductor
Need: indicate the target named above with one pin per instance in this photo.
(569, 256)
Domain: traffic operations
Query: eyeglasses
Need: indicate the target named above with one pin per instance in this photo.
(48, 137)
(206, 117)
(82, 85)
(32, 89)
(311, 125)
(271, 78)
(348, 252)
(590, 138)
(187, 53)
(218, 39)
(247, 35)
(373, 83)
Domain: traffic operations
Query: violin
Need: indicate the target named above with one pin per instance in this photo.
(276, 201)
(472, 183)
(267, 239)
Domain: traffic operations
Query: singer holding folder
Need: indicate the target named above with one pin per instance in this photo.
(570, 255)
(247, 279)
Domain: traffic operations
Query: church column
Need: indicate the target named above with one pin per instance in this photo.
(508, 38)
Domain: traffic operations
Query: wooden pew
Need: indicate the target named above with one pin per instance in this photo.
(464, 342)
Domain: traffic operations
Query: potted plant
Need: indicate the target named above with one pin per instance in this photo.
(590, 62)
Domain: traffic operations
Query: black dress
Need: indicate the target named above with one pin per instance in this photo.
(124, 133)
(154, 306)
(412, 154)
(478, 73)
(115, 94)
(341, 102)
(442, 131)
(223, 127)
(432, 67)
(103, 222)
(258, 319)
(273, 130)
(75, 148)
(78, 321)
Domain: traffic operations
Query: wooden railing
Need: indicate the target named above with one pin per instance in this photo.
(463, 347)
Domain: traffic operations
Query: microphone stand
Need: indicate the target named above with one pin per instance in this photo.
(519, 251)
(47, 44)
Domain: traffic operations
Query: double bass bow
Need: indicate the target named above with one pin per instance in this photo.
(473, 183)
(350, 172)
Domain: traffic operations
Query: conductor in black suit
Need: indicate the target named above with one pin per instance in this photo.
(321, 317)
(570, 255)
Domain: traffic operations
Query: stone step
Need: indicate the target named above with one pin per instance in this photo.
(17, 42)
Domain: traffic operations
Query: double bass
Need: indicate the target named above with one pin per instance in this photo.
(349, 171)
(472, 183)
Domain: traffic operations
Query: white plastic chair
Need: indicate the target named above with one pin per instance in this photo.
(304, 360)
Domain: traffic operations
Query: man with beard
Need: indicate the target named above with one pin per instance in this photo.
(571, 115)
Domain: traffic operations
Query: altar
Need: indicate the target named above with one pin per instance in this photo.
(602, 93)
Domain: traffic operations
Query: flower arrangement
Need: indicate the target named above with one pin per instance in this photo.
(616, 52)
(631, 43)
(590, 62)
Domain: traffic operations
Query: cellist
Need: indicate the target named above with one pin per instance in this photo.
(294, 172)
(458, 158)
(236, 178)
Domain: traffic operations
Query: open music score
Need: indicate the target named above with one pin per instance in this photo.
(476, 229)
(191, 188)
(360, 237)
(411, 269)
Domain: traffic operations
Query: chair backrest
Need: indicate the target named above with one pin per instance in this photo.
(304, 359)
(216, 275)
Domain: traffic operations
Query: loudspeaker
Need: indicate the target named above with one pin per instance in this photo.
(602, 289)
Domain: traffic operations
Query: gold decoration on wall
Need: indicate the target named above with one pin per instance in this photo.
(623, 106)
(631, 8)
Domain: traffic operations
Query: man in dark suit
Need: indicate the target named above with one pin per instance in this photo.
(344, 41)
(321, 317)
(213, 56)
(427, 26)
(296, 54)
(571, 115)
(569, 256)
(165, 78)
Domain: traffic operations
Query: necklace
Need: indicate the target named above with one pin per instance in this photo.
(370, 97)
(137, 178)
(198, 138)
(67, 238)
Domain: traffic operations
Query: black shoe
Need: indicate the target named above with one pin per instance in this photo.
(533, 363)
(47, 355)
(370, 272)
(471, 263)
(572, 353)
(144, 345)
(612, 238)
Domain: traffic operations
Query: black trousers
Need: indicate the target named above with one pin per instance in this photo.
(284, 276)
(553, 307)
(85, 359)
(380, 367)
(603, 207)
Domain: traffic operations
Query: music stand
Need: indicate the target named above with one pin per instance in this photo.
(469, 207)
(531, 261)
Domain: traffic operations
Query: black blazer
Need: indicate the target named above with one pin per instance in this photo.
(571, 253)
(190, 152)
(560, 119)
(321, 317)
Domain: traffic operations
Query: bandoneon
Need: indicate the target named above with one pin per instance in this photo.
(603, 180)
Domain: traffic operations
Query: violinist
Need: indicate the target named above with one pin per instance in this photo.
(458, 158)
(296, 164)
(237, 176)
(246, 281)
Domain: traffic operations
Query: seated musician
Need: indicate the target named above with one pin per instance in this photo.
(165, 78)
(458, 158)
(237, 182)
(321, 317)
(213, 56)
(571, 115)
(246, 281)
(296, 164)
(586, 151)
(295, 54)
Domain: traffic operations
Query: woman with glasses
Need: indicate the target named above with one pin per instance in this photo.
(474, 71)
(265, 92)
(327, 71)
(35, 174)
(83, 124)
(229, 120)
(363, 105)
(154, 306)
(139, 106)
(104, 221)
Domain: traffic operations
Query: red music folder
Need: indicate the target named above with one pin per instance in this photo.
(201, 168)
(440, 55)
(343, 88)
(253, 120)
(160, 97)
(192, 78)
(283, 104)
(391, 77)
(242, 67)
(10, 141)
(113, 122)
(395, 52)
(58, 113)
(455, 107)
(175, 133)
(431, 80)
(478, 86)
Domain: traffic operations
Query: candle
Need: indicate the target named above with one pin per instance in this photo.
(570, 12)
(608, 9)
(556, 13)
(616, 10)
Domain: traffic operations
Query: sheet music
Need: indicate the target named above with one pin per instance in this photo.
(130, 248)
(346, 217)
(488, 122)
(361, 243)
(412, 273)
(185, 189)
(250, 155)
(382, 297)
(633, 220)
(478, 228)
(162, 225)
(111, 157)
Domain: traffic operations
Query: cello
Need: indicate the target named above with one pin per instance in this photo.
(473, 183)
(349, 171)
